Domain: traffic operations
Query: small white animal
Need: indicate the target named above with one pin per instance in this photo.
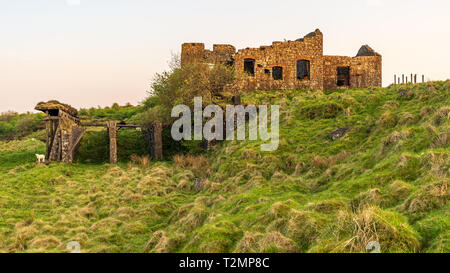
(40, 158)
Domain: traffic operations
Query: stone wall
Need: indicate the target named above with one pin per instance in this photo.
(365, 70)
(284, 55)
(275, 67)
(196, 53)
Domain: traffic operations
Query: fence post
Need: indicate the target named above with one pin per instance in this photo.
(112, 132)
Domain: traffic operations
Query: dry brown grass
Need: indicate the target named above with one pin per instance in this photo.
(86, 212)
(198, 164)
(408, 119)
(255, 242)
(391, 105)
(275, 242)
(304, 228)
(371, 197)
(44, 243)
(438, 163)
(320, 162)
(441, 116)
(249, 243)
(398, 191)
(395, 137)
(194, 218)
(372, 224)
(300, 168)
(160, 243)
(433, 196)
(427, 110)
(339, 157)
(387, 120)
(250, 154)
(442, 140)
(144, 160)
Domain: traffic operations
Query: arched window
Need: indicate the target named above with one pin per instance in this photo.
(277, 73)
(249, 66)
(303, 70)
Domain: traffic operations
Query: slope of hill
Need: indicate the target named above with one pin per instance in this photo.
(385, 180)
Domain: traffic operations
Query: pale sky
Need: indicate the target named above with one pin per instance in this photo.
(97, 52)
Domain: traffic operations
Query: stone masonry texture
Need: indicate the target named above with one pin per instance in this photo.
(277, 67)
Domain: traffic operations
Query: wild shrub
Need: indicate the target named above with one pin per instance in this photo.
(181, 84)
(16, 126)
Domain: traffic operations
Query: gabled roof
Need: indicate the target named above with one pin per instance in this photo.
(366, 50)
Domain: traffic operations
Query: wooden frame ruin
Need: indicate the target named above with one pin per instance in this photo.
(63, 130)
(64, 133)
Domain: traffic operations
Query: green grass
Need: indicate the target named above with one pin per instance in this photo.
(386, 180)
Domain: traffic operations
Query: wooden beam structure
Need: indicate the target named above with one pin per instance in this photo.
(60, 122)
(65, 131)
(118, 125)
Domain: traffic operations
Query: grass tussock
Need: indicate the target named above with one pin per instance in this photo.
(433, 196)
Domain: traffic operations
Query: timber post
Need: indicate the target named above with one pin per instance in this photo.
(112, 133)
(157, 141)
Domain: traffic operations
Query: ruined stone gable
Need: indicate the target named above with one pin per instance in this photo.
(298, 64)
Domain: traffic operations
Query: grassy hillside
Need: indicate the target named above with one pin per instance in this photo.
(386, 180)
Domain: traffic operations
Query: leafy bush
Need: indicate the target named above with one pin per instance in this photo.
(16, 126)
(181, 84)
(114, 112)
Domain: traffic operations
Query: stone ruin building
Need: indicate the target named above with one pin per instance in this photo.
(298, 64)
